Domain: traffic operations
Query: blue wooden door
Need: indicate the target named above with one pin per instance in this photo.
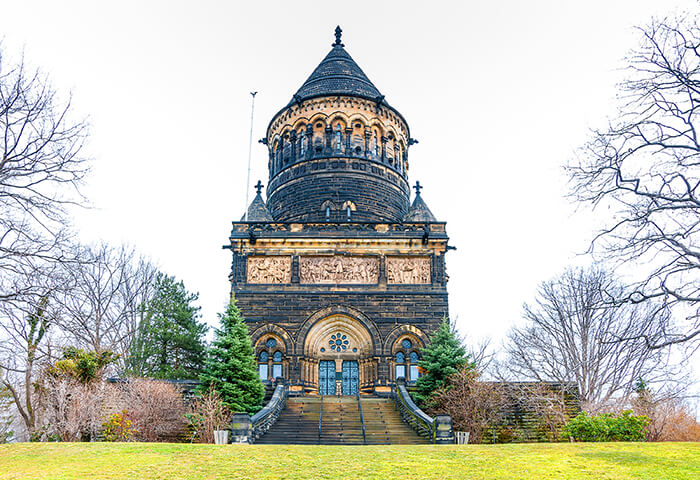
(326, 377)
(351, 377)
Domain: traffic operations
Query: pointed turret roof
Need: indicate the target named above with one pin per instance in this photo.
(257, 211)
(419, 211)
(337, 74)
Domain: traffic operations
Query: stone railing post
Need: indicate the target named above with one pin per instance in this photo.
(443, 430)
(241, 428)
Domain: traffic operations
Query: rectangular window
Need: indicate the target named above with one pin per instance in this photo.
(262, 371)
(400, 371)
(276, 371)
(414, 373)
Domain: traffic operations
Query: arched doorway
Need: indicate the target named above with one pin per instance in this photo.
(338, 356)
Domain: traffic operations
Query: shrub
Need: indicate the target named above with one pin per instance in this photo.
(670, 418)
(158, 409)
(119, 427)
(208, 413)
(607, 427)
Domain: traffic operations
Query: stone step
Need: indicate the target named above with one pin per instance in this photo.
(341, 424)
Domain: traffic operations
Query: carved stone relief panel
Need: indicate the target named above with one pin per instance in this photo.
(408, 270)
(269, 269)
(339, 269)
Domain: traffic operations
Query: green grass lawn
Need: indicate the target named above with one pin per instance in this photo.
(653, 461)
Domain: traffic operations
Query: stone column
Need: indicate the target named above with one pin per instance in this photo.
(293, 140)
(348, 137)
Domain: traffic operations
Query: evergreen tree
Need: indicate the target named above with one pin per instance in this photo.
(444, 356)
(169, 342)
(230, 368)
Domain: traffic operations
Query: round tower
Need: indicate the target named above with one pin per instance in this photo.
(338, 151)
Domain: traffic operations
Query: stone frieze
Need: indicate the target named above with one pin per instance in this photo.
(408, 270)
(339, 269)
(269, 269)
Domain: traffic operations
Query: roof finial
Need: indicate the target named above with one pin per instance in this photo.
(417, 187)
(259, 186)
(338, 34)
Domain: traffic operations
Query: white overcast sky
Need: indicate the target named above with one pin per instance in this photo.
(499, 93)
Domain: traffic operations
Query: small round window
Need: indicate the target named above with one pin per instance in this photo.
(406, 343)
(264, 356)
(271, 342)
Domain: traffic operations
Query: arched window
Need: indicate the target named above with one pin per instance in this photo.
(302, 144)
(413, 372)
(263, 368)
(406, 359)
(277, 364)
(349, 207)
(338, 138)
(400, 367)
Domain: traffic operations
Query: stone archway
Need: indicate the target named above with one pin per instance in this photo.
(338, 345)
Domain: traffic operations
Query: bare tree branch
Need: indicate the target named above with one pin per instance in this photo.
(645, 167)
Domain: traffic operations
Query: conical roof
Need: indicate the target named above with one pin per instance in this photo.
(257, 211)
(419, 211)
(337, 74)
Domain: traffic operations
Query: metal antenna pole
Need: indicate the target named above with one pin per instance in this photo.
(250, 150)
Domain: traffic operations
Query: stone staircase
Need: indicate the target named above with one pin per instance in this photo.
(341, 425)
(297, 423)
(383, 424)
(341, 421)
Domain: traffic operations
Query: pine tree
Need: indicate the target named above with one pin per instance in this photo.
(169, 342)
(444, 356)
(230, 368)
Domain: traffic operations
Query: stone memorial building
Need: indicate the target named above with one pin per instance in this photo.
(341, 279)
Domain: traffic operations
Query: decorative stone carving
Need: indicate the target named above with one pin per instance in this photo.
(269, 269)
(408, 270)
(338, 269)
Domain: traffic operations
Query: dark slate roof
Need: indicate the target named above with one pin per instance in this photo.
(337, 74)
(258, 212)
(419, 212)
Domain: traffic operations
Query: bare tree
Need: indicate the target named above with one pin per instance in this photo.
(41, 168)
(645, 167)
(25, 344)
(102, 306)
(473, 405)
(573, 333)
(71, 410)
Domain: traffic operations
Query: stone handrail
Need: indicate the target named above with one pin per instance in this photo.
(247, 429)
(362, 419)
(320, 421)
(437, 429)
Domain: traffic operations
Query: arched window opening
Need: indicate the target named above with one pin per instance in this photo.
(327, 208)
(263, 368)
(338, 138)
(406, 358)
(277, 364)
(400, 367)
(413, 373)
(349, 207)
